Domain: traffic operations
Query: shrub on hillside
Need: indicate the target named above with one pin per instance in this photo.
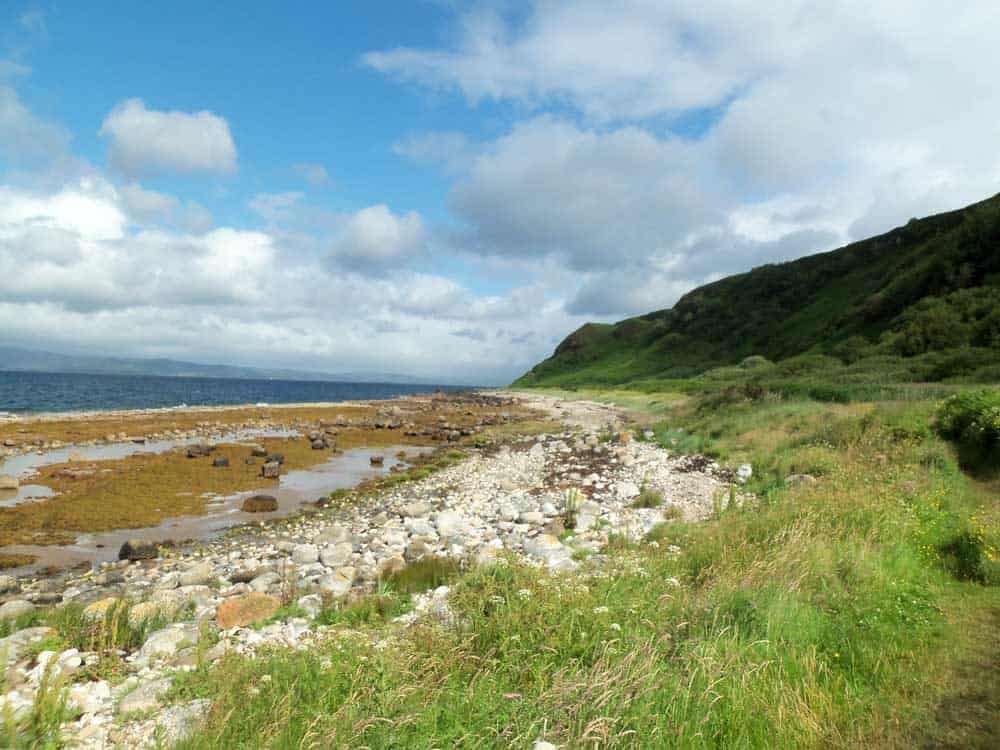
(972, 420)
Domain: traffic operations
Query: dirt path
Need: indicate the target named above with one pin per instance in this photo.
(587, 415)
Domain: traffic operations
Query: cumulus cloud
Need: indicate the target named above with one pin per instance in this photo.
(76, 272)
(594, 199)
(609, 60)
(374, 237)
(25, 139)
(808, 126)
(148, 205)
(146, 141)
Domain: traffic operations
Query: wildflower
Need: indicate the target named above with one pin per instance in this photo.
(616, 627)
(600, 610)
(524, 593)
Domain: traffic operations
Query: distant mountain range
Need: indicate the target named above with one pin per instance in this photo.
(21, 360)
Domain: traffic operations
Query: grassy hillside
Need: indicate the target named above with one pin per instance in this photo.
(920, 303)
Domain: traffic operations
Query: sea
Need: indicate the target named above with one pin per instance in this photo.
(33, 392)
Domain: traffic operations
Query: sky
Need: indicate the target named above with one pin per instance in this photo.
(447, 189)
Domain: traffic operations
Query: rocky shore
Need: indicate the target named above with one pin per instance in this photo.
(554, 500)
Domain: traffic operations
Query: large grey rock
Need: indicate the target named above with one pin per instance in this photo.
(16, 645)
(265, 581)
(332, 534)
(89, 697)
(177, 723)
(304, 554)
(416, 509)
(419, 526)
(16, 608)
(451, 523)
(166, 642)
(551, 551)
(627, 491)
(201, 574)
(146, 697)
(335, 555)
(335, 585)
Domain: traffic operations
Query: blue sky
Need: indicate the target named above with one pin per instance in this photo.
(448, 188)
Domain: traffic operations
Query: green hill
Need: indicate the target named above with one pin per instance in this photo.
(919, 303)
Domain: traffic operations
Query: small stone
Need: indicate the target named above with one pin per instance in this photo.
(220, 462)
(311, 604)
(241, 611)
(797, 480)
(7, 584)
(271, 470)
(7, 482)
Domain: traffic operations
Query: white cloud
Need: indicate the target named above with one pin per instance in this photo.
(375, 236)
(147, 141)
(610, 60)
(450, 150)
(315, 174)
(594, 199)
(25, 139)
(148, 205)
(274, 207)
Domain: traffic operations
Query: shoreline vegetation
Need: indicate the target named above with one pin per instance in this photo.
(851, 601)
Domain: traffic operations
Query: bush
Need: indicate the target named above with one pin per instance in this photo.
(972, 420)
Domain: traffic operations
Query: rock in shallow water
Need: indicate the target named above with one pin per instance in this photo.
(137, 549)
(260, 504)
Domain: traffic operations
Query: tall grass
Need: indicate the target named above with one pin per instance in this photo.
(806, 619)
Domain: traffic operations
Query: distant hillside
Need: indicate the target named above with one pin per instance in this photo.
(20, 360)
(926, 288)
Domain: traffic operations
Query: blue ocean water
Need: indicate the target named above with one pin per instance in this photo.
(24, 392)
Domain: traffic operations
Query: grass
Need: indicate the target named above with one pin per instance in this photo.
(648, 498)
(850, 612)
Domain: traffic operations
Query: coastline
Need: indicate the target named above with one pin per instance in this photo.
(87, 474)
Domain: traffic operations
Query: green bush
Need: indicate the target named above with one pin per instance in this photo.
(972, 420)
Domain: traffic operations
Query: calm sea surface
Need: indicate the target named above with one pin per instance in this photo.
(22, 392)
